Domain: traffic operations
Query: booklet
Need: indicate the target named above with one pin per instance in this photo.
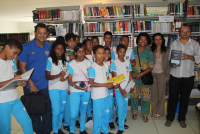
(117, 79)
(69, 53)
(176, 58)
(13, 84)
(58, 79)
(129, 85)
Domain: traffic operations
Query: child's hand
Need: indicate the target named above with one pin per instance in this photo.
(117, 86)
(62, 73)
(63, 79)
(131, 89)
(22, 84)
(109, 85)
(17, 77)
(71, 57)
(85, 89)
(137, 76)
(34, 89)
(123, 92)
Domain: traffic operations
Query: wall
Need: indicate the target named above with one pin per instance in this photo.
(8, 27)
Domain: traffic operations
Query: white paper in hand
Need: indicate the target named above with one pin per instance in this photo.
(58, 79)
(89, 124)
(130, 85)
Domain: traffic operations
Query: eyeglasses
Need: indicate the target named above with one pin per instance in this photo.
(185, 31)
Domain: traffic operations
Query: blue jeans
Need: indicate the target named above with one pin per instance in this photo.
(19, 112)
(58, 101)
(101, 115)
(78, 100)
(44, 125)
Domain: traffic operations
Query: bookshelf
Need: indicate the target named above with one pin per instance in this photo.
(66, 18)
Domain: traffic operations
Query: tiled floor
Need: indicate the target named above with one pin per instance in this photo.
(138, 126)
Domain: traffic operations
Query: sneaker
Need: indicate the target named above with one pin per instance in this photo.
(126, 127)
(182, 124)
(116, 119)
(60, 131)
(77, 124)
(108, 133)
(89, 118)
(67, 128)
(168, 123)
(83, 132)
(120, 132)
(112, 126)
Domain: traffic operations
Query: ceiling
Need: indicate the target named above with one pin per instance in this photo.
(21, 10)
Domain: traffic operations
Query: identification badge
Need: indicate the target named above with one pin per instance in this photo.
(13, 71)
(87, 70)
(127, 68)
(65, 69)
(127, 57)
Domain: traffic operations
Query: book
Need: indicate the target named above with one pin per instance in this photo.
(129, 85)
(176, 58)
(117, 79)
(14, 83)
(69, 53)
(58, 79)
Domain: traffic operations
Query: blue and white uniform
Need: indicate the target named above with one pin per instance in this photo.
(78, 98)
(100, 98)
(57, 93)
(122, 102)
(10, 102)
(129, 54)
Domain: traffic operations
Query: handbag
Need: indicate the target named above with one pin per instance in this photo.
(35, 103)
(147, 79)
(86, 83)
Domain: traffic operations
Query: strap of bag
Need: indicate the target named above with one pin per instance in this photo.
(82, 70)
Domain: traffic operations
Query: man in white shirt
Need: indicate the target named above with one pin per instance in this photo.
(182, 78)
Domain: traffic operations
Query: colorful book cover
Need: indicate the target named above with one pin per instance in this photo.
(69, 53)
(117, 79)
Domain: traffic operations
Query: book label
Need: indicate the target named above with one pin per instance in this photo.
(166, 18)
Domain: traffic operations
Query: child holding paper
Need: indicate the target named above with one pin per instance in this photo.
(121, 66)
(9, 100)
(56, 67)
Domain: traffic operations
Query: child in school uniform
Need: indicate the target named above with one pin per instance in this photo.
(98, 73)
(56, 67)
(70, 40)
(121, 66)
(108, 38)
(9, 100)
(95, 41)
(107, 61)
(79, 95)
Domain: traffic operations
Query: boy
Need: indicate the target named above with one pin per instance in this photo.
(121, 66)
(129, 52)
(9, 100)
(95, 41)
(107, 38)
(98, 74)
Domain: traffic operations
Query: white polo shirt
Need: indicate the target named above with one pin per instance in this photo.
(55, 70)
(99, 73)
(77, 74)
(129, 54)
(121, 68)
(7, 70)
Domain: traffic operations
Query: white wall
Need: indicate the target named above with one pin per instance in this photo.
(27, 27)
(8, 27)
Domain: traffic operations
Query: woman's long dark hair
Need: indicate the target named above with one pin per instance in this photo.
(163, 47)
(53, 54)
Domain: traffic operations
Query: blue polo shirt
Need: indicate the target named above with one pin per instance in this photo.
(36, 57)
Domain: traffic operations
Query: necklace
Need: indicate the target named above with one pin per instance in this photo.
(158, 56)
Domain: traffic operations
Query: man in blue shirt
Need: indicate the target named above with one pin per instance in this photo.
(34, 55)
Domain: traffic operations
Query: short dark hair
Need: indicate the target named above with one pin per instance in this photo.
(107, 33)
(95, 37)
(184, 25)
(13, 43)
(68, 36)
(53, 54)
(107, 48)
(96, 48)
(76, 35)
(61, 38)
(40, 25)
(85, 41)
(126, 36)
(120, 46)
(146, 35)
(77, 47)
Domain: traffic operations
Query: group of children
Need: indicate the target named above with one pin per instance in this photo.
(86, 87)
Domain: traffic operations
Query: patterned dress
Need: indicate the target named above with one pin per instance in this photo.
(146, 60)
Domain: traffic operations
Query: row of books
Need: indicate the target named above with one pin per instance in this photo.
(155, 26)
(101, 27)
(55, 14)
(23, 37)
(194, 12)
(177, 8)
(195, 27)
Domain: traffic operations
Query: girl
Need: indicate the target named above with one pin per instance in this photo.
(79, 98)
(161, 74)
(56, 67)
(107, 61)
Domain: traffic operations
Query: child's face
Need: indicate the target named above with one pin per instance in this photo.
(121, 53)
(100, 54)
(77, 40)
(95, 42)
(59, 50)
(80, 53)
(107, 55)
(108, 40)
(11, 53)
(70, 43)
(88, 45)
(125, 41)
